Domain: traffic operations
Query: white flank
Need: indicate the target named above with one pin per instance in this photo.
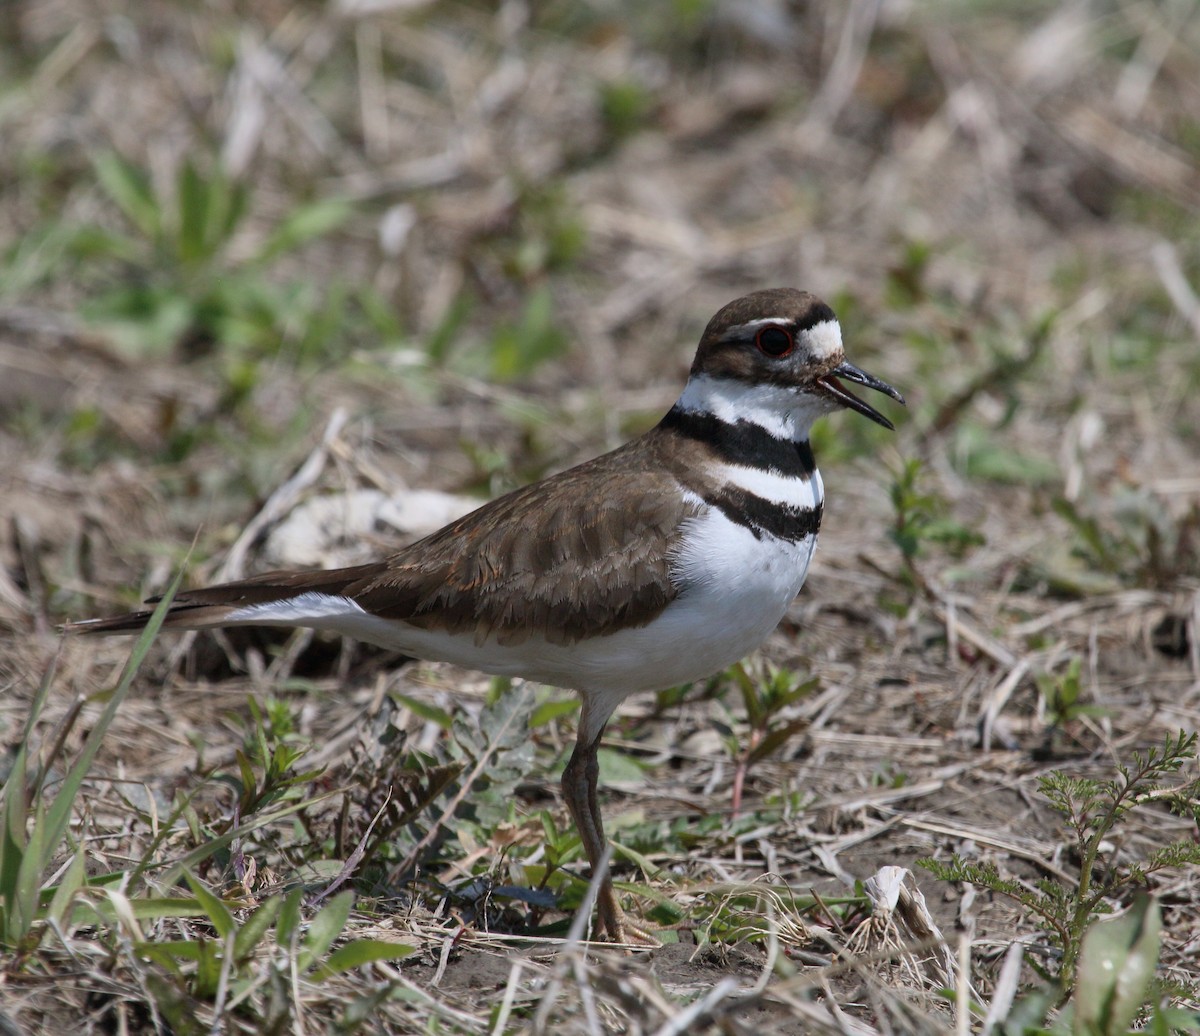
(824, 339)
(312, 610)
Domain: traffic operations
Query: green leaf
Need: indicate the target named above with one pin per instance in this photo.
(256, 927)
(130, 188)
(304, 224)
(618, 767)
(1116, 967)
(324, 929)
(361, 951)
(216, 911)
(142, 317)
(208, 969)
(25, 898)
(446, 334)
(516, 350)
(233, 202)
(981, 454)
(150, 909)
(638, 860)
(89, 243)
(425, 711)
(289, 918)
(751, 697)
(193, 197)
(209, 210)
(13, 839)
(170, 951)
(72, 881)
(775, 738)
(552, 710)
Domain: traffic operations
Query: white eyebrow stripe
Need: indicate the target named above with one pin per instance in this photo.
(762, 320)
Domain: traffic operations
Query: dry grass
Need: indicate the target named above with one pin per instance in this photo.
(1002, 205)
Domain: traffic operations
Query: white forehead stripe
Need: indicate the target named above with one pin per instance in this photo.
(825, 339)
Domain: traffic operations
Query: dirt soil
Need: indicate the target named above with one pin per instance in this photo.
(1003, 208)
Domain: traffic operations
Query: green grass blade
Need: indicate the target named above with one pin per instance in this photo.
(256, 927)
(361, 951)
(14, 842)
(175, 871)
(216, 911)
(194, 215)
(325, 928)
(68, 888)
(14, 839)
(130, 189)
(29, 876)
(289, 918)
(302, 225)
(153, 909)
(426, 711)
(59, 814)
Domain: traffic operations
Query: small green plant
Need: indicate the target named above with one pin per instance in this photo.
(559, 846)
(1138, 541)
(1092, 809)
(548, 235)
(1116, 984)
(173, 279)
(267, 760)
(517, 349)
(625, 107)
(920, 518)
(765, 700)
(1061, 695)
(221, 955)
(225, 967)
(510, 350)
(36, 824)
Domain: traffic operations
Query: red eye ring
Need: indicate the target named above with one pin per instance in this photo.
(774, 341)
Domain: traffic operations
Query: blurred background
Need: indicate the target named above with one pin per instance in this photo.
(494, 231)
(257, 255)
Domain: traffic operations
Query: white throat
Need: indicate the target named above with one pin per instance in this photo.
(784, 412)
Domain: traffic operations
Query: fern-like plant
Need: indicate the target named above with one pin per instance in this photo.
(1093, 808)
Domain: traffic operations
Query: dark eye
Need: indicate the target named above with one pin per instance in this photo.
(774, 341)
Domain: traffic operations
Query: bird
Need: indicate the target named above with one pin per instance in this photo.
(657, 564)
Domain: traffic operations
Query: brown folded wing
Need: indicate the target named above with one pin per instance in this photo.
(580, 554)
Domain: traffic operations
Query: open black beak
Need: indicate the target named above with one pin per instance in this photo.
(847, 398)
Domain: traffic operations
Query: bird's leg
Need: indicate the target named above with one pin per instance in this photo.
(579, 782)
(579, 790)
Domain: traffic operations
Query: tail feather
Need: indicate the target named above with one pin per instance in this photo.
(211, 606)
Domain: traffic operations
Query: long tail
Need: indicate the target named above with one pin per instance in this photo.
(213, 606)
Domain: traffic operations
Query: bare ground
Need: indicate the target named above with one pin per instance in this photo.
(1004, 210)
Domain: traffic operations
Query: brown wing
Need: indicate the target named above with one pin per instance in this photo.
(580, 554)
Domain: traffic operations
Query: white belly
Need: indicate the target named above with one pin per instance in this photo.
(735, 589)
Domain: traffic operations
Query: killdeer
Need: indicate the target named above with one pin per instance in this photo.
(657, 564)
